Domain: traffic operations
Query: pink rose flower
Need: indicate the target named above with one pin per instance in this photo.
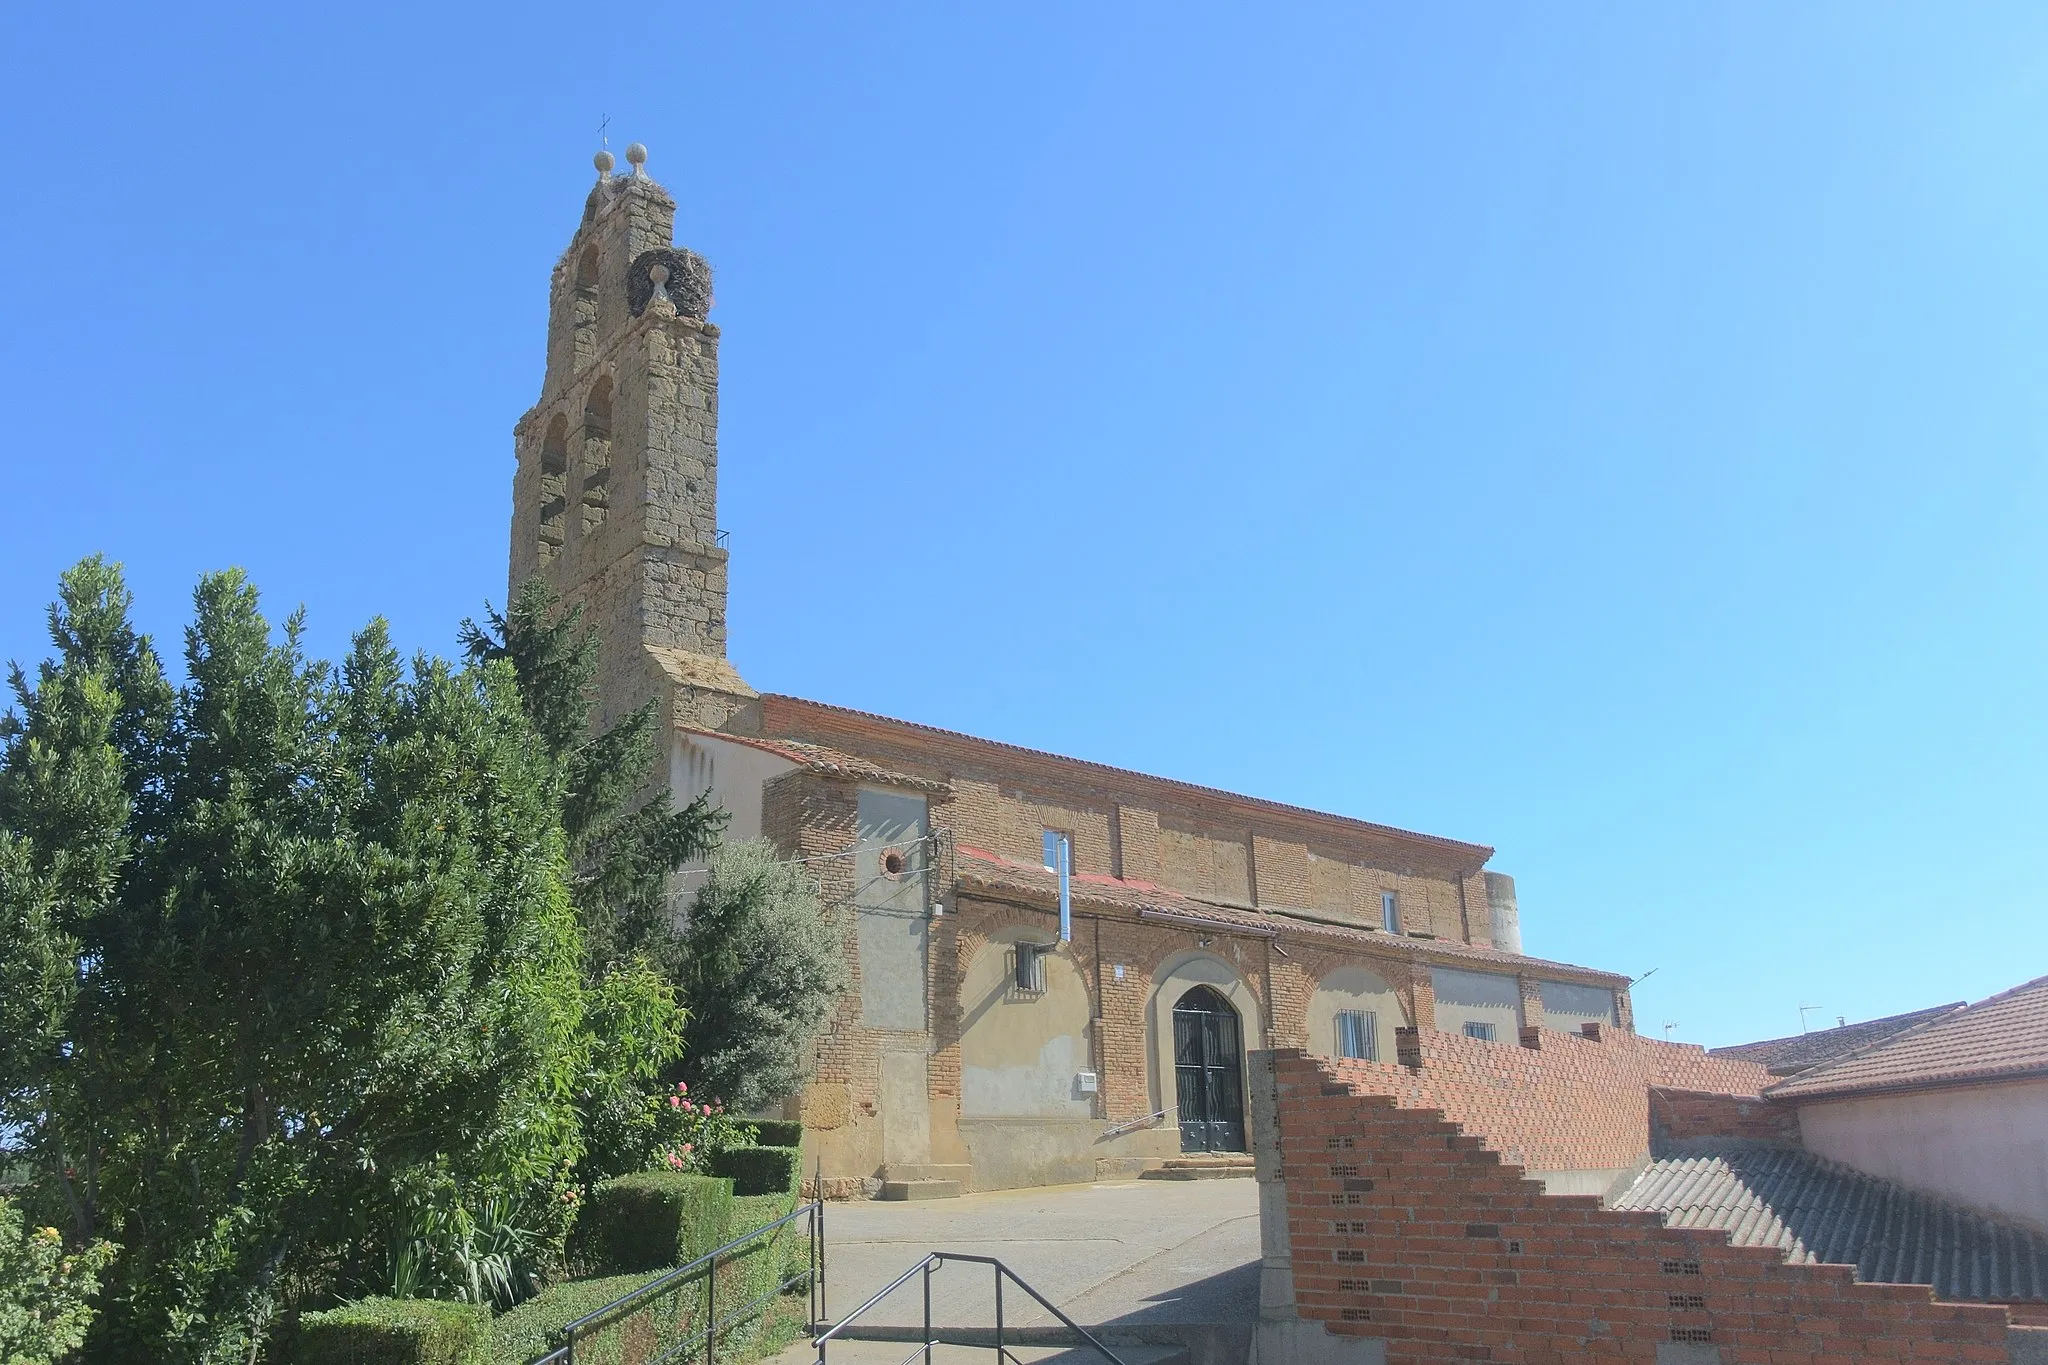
(674, 1102)
(681, 1088)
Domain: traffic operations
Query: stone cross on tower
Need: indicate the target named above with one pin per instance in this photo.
(615, 500)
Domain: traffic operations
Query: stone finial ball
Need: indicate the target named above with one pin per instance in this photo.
(636, 153)
(604, 163)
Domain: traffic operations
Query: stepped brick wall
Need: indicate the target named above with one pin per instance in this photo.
(1571, 1102)
(1679, 1115)
(1404, 1227)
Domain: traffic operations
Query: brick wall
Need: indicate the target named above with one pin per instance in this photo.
(1151, 829)
(1402, 1226)
(1681, 1114)
(1571, 1103)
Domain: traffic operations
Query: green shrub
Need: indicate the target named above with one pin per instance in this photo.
(650, 1220)
(397, 1332)
(759, 1170)
(777, 1132)
(535, 1327)
(45, 1292)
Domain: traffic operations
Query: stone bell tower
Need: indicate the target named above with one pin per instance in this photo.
(615, 501)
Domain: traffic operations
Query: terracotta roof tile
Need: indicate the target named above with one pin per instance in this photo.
(831, 762)
(2004, 1037)
(1801, 1051)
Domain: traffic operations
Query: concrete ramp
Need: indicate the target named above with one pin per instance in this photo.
(1162, 1271)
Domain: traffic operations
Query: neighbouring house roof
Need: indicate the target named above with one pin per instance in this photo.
(1817, 1211)
(784, 714)
(2002, 1038)
(979, 869)
(1784, 1056)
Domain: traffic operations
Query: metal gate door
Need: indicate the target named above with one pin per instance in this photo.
(1208, 1073)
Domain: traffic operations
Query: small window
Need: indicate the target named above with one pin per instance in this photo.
(1390, 912)
(1475, 1029)
(1057, 844)
(1031, 968)
(1358, 1035)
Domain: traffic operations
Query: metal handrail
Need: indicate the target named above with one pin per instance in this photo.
(706, 1268)
(1131, 1125)
(936, 1260)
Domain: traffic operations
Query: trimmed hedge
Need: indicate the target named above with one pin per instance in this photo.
(650, 1220)
(759, 1170)
(777, 1132)
(535, 1327)
(397, 1332)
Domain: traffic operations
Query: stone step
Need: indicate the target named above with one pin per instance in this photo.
(920, 1189)
(1204, 1168)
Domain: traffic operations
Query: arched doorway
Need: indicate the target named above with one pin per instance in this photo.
(1208, 1064)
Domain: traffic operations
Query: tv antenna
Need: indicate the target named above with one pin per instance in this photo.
(1669, 1024)
(1804, 1010)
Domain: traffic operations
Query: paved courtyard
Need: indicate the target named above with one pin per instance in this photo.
(1130, 1255)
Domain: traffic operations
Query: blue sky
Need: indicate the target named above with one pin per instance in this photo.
(1611, 434)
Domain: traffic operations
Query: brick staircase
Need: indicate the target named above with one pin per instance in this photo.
(1405, 1228)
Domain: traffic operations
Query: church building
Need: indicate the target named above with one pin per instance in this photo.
(1058, 967)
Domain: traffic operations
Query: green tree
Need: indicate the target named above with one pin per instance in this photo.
(293, 982)
(625, 837)
(764, 962)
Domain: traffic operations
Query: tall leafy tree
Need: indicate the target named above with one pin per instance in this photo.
(295, 998)
(625, 837)
(766, 961)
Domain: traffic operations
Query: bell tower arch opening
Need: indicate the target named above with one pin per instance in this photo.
(554, 484)
(583, 310)
(597, 455)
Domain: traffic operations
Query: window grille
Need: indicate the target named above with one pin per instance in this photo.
(1031, 968)
(1358, 1035)
(1475, 1029)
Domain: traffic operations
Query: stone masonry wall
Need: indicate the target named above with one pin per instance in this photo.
(1404, 1228)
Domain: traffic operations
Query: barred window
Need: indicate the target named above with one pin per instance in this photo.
(1358, 1035)
(1031, 967)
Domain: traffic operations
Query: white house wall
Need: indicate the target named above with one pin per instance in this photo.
(1985, 1145)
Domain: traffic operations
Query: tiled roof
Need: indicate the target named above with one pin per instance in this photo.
(782, 712)
(831, 762)
(979, 868)
(1814, 1210)
(1784, 1056)
(2002, 1038)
